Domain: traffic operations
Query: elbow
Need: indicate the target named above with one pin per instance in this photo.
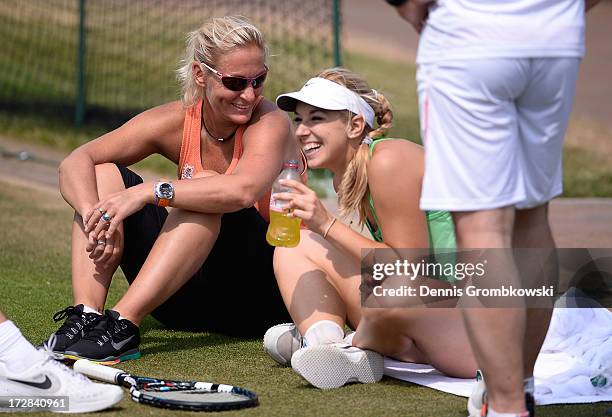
(64, 166)
(245, 200)
(246, 196)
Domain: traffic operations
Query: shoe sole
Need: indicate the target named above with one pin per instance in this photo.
(93, 406)
(326, 367)
(111, 360)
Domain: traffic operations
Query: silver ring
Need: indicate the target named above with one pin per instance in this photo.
(106, 217)
(101, 210)
(101, 243)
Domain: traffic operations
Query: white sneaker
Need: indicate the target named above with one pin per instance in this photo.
(333, 365)
(281, 342)
(478, 397)
(50, 378)
(477, 403)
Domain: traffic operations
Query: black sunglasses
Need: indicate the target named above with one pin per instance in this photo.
(234, 83)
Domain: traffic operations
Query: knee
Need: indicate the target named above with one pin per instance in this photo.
(380, 317)
(532, 218)
(488, 228)
(107, 170)
(383, 330)
(211, 221)
(286, 258)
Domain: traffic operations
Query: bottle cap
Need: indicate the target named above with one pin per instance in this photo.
(292, 163)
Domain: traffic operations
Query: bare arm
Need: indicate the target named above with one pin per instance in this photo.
(265, 146)
(395, 175)
(391, 173)
(589, 4)
(415, 12)
(394, 179)
(130, 143)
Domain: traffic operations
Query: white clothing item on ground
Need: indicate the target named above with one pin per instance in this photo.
(577, 351)
(493, 131)
(476, 29)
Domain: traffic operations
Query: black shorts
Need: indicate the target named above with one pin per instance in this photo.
(234, 292)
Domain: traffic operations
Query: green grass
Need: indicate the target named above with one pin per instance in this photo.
(587, 170)
(35, 282)
(130, 72)
(133, 49)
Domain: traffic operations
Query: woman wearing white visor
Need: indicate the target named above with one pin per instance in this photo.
(380, 179)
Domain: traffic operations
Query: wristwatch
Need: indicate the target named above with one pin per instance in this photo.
(396, 3)
(164, 193)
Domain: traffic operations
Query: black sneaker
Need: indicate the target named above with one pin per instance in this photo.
(110, 341)
(75, 326)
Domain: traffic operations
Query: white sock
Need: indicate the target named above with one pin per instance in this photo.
(493, 413)
(16, 352)
(529, 385)
(324, 331)
(87, 309)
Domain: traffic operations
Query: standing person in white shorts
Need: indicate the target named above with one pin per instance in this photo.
(496, 82)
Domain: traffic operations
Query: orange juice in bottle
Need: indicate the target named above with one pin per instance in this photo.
(283, 230)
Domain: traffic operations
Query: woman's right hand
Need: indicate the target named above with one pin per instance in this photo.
(304, 203)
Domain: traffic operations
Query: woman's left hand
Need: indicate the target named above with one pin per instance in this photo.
(114, 208)
(305, 204)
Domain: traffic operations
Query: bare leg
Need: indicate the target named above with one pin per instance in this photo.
(90, 281)
(435, 336)
(169, 266)
(317, 282)
(2, 317)
(489, 329)
(532, 230)
(181, 248)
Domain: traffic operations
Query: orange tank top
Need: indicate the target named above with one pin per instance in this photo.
(190, 161)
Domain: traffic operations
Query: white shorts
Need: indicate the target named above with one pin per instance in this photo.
(493, 131)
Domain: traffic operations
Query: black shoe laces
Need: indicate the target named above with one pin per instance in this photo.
(73, 319)
(105, 327)
(62, 314)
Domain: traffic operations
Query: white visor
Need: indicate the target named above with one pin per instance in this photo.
(328, 95)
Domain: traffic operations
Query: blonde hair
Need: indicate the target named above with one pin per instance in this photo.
(353, 189)
(208, 43)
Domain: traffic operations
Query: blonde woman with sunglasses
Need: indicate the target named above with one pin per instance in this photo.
(205, 265)
(340, 123)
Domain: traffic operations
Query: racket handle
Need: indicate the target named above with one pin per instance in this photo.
(97, 371)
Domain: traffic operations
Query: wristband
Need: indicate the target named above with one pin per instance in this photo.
(329, 227)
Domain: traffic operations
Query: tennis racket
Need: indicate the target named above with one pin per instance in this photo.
(178, 395)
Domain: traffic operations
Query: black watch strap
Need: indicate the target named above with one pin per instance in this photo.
(397, 3)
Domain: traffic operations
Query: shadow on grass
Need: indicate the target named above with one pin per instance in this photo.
(156, 338)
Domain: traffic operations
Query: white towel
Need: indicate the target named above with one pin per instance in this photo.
(576, 355)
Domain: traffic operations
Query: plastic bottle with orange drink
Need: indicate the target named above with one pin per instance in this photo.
(283, 230)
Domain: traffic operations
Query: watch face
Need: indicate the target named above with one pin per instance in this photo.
(165, 190)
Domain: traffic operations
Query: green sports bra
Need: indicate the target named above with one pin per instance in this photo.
(440, 226)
